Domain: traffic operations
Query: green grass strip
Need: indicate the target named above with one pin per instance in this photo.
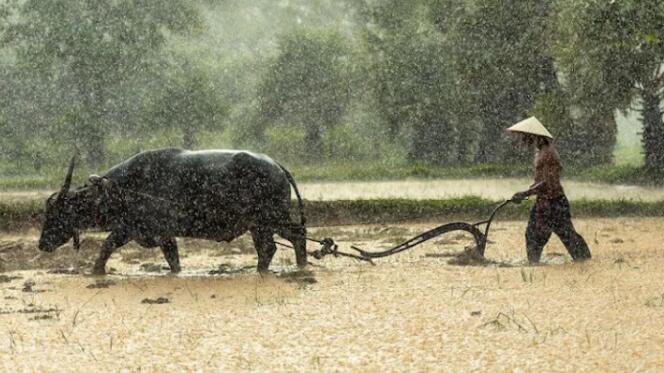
(21, 215)
(365, 171)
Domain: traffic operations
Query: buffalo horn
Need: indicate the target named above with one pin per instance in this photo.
(70, 172)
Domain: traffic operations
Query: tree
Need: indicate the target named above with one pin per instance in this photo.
(306, 84)
(190, 101)
(612, 54)
(500, 62)
(410, 78)
(25, 101)
(96, 47)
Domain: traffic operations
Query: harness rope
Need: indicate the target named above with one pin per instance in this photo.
(329, 247)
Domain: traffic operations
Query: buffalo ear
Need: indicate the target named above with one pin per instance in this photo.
(106, 183)
(100, 182)
(95, 179)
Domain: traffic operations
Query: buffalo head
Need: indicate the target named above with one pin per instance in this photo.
(67, 211)
(59, 223)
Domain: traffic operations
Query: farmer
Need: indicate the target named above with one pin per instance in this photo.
(551, 210)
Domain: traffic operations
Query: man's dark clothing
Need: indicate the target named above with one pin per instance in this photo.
(549, 215)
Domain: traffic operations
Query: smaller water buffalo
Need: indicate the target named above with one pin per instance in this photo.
(158, 195)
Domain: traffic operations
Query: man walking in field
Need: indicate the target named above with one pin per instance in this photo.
(551, 211)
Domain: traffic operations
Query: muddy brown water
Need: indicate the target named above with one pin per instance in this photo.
(410, 312)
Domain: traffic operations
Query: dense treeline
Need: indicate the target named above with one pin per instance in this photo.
(423, 81)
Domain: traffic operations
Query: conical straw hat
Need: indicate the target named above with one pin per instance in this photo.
(531, 126)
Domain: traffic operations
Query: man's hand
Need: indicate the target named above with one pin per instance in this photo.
(518, 197)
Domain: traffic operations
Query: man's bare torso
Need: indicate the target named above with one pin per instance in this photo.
(548, 170)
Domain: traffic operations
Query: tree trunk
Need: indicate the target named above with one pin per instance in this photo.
(491, 137)
(464, 146)
(433, 139)
(313, 141)
(604, 130)
(96, 146)
(93, 127)
(548, 75)
(653, 132)
(188, 138)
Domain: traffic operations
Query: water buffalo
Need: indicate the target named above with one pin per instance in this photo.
(158, 195)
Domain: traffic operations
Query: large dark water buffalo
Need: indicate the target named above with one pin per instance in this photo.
(158, 195)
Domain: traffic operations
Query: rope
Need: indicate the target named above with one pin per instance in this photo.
(328, 248)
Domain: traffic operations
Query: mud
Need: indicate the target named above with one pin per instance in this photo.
(160, 300)
(101, 284)
(411, 312)
(20, 253)
(5, 278)
(470, 257)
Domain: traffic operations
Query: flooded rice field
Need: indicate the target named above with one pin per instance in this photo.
(496, 189)
(412, 311)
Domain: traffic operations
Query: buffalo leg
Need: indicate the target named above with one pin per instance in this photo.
(297, 235)
(265, 247)
(113, 241)
(170, 249)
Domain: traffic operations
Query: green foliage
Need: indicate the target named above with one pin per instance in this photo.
(501, 65)
(285, 142)
(15, 216)
(362, 88)
(584, 142)
(342, 144)
(306, 84)
(366, 169)
(628, 155)
(91, 49)
(621, 45)
(189, 102)
(371, 169)
(410, 79)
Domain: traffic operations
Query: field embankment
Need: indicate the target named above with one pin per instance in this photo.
(19, 215)
(351, 172)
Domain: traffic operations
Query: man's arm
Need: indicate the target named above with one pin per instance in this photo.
(534, 189)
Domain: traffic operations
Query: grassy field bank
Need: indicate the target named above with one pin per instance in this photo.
(21, 215)
(372, 171)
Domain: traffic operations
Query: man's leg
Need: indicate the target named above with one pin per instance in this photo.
(562, 225)
(537, 233)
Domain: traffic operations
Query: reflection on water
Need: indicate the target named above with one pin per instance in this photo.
(496, 189)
